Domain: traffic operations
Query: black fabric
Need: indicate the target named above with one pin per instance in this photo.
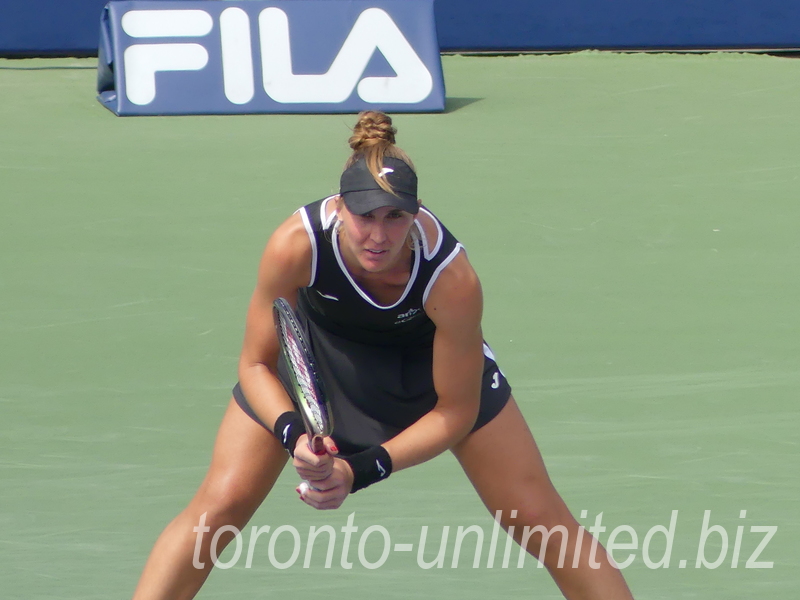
(377, 392)
(288, 429)
(370, 466)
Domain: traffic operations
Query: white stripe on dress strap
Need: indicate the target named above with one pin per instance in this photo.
(439, 235)
(325, 218)
(438, 271)
(312, 237)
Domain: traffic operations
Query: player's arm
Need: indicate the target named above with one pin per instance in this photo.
(285, 267)
(455, 305)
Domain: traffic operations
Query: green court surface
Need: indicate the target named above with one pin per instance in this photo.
(633, 218)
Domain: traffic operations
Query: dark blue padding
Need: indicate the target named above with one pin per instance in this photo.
(618, 24)
(49, 27)
(65, 26)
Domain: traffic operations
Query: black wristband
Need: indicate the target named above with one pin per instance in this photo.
(370, 466)
(288, 429)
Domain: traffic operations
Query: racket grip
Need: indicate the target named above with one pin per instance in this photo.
(317, 445)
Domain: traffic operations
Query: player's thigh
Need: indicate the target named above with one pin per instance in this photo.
(246, 461)
(504, 464)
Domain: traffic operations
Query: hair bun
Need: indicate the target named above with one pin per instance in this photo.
(373, 128)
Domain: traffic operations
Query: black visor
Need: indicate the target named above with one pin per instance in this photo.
(363, 194)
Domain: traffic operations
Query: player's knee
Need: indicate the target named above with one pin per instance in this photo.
(549, 544)
(211, 525)
(546, 532)
(224, 504)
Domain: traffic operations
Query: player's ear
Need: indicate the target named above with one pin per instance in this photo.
(339, 207)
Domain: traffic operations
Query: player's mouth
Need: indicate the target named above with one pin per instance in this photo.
(375, 258)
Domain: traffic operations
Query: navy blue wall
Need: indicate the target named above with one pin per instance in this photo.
(618, 24)
(69, 26)
(50, 26)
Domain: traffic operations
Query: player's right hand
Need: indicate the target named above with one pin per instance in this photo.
(310, 466)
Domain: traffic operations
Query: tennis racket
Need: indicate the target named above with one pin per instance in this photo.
(309, 392)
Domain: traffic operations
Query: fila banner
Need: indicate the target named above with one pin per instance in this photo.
(168, 57)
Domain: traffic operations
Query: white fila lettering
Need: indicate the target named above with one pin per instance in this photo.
(237, 56)
(373, 30)
(143, 61)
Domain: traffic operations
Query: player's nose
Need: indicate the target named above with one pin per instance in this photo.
(378, 233)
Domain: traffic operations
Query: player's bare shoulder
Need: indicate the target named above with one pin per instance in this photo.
(456, 296)
(288, 253)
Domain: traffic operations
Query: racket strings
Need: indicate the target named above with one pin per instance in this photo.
(297, 357)
(304, 376)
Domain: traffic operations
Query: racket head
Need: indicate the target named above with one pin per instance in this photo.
(309, 391)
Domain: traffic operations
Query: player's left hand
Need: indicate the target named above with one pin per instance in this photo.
(329, 493)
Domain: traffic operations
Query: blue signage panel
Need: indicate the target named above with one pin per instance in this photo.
(258, 56)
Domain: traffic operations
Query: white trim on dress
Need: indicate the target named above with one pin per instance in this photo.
(325, 218)
(430, 253)
(362, 293)
(310, 231)
(439, 270)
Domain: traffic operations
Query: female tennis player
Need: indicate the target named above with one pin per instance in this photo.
(392, 310)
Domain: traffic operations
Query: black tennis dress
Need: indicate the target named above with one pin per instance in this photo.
(376, 361)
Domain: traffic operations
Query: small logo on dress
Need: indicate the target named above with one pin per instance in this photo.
(385, 171)
(327, 296)
(407, 316)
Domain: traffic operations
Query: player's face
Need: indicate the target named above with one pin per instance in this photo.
(377, 240)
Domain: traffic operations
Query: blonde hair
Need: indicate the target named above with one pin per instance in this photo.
(373, 139)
